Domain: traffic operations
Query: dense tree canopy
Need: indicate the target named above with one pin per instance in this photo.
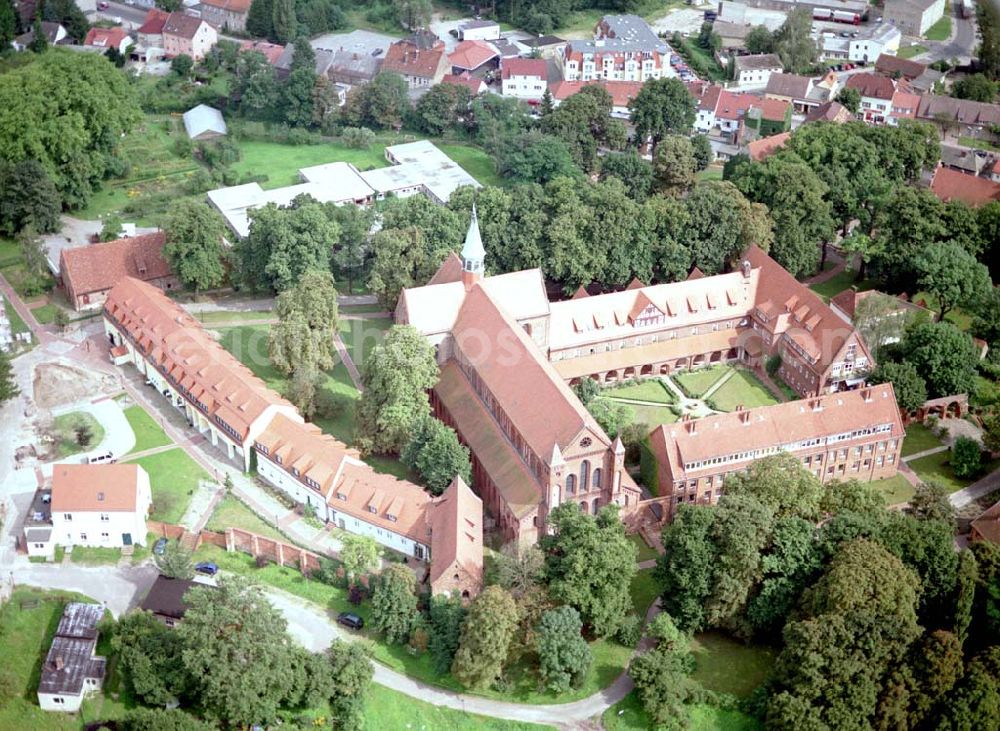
(194, 245)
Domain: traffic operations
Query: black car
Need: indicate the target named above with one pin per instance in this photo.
(351, 621)
(160, 547)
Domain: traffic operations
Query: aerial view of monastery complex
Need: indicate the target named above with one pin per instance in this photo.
(428, 365)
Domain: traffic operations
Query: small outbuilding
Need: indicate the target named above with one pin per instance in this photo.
(204, 123)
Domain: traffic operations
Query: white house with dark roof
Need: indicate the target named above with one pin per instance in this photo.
(72, 670)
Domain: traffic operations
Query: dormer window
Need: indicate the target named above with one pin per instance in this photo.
(341, 496)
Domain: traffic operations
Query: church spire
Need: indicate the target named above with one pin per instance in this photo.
(473, 253)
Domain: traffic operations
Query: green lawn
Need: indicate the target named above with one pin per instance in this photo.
(652, 415)
(940, 30)
(17, 324)
(628, 715)
(919, 438)
(957, 317)
(173, 477)
(711, 173)
(837, 284)
(937, 467)
(911, 51)
(148, 434)
(644, 552)
(231, 513)
(695, 383)
(355, 309)
(726, 665)
(388, 709)
(742, 389)
(210, 318)
(361, 336)
(651, 389)
(896, 489)
(25, 635)
(474, 161)
(95, 555)
(644, 590)
(281, 162)
(65, 432)
(45, 314)
(978, 144)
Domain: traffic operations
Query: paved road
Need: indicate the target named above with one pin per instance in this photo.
(961, 44)
(976, 490)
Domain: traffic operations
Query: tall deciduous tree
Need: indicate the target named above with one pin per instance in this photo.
(794, 43)
(284, 25)
(662, 107)
(8, 23)
(783, 484)
(944, 355)
(351, 669)
(359, 554)
(396, 379)
(27, 197)
(436, 454)
(380, 104)
(176, 561)
(394, 603)
(629, 167)
(908, 384)
(194, 245)
(660, 675)
(446, 616)
(686, 567)
(307, 323)
(674, 165)
(150, 657)
(260, 23)
(231, 635)
(563, 655)
(721, 225)
(590, 564)
(8, 385)
(953, 276)
(486, 635)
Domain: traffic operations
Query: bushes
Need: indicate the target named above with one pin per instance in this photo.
(772, 365)
(357, 138)
(966, 457)
(649, 474)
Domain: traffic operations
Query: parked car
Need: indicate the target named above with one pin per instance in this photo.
(848, 67)
(351, 621)
(102, 6)
(102, 458)
(160, 547)
(207, 567)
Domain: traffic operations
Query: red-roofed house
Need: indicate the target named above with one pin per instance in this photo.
(951, 185)
(89, 273)
(474, 85)
(876, 96)
(188, 35)
(100, 504)
(105, 38)
(272, 51)
(226, 14)
(622, 93)
(420, 59)
(150, 33)
(456, 522)
(904, 105)
(472, 56)
(766, 146)
(524, 78)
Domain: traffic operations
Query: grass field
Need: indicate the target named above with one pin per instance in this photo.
(937, 467)
(17, 325)
(696, 382)
(45, 314)
(742, 389)
(649, 390)
(27, 623)
(728, 666)
(231, 513)
(844, 280)
(65, 426)
(474, 161)
(643, 551)
(895, 489)
(361, 336)
(173, 477)
(628, 715)
(148, 434)
(978, 144)
(910, 51)
(940, 30)
(957, 317)
(95, 555)
(211, 318)
(644, 590)
(711, 173)
(388, 709)
(919, 438)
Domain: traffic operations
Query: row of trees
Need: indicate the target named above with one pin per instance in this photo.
(232, 662)
(539, 604)
(872, 608)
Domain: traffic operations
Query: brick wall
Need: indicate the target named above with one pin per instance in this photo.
(279, 552)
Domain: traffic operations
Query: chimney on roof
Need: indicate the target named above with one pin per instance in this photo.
(866, 394)
(746, 268)
(692, 426)
(59, 662)
(817, 404)
(744, 417)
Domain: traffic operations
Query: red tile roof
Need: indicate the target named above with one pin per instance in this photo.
(271, 51)
(872, 86)
(471, 55)
(154, 22)
(772, 109)
(99, 267)
(233, 6)
(949, 184)
(475, 86)
(622, 92)
(907, 68)
(449, 271)
(767, 146)
(987, 525)
(524, 67)
(111, 488)
(406, 59)
(905, 104)
(105, 37)
(194, 362)
(734, 106)
(456, 520)
(182, 25)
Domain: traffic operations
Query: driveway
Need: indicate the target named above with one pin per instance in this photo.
(118, 588)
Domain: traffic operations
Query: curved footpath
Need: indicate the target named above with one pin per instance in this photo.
(313, 628)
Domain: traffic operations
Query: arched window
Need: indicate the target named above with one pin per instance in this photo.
(597, 477)
(597, 504)
(585, 475)
(571, 484)
(583, 507)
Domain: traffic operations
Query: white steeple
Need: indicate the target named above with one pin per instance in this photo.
(473, 253)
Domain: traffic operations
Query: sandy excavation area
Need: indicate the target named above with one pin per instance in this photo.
(56, 384)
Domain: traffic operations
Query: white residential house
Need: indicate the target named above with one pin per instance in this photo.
(524, 78)
(100, 505)
(754, 71)
(479, 30)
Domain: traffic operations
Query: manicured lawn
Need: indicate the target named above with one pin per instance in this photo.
(652, 415)
(210, 318)
(709, 174)
(628, 715)
(45, 314)
(231, 513)
(148, 434)
(940, 30)
(742, 389)
(281, 162)
(474, 161)
(644, 590)
(644, 552)
(837, 284)
(173, 477)
(911, 51)
(919, 438)
(95, 556)
(355, 309)
(937, 467)
(696, 382)
(65, 427)
(26, 630)
(895, 489)
(649, 390)
(726, 665)
(388, 709)
(957, 317)
(361, 336)
(978, 144)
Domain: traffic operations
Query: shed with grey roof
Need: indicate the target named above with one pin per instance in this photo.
(71, 669)
(204, 123)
